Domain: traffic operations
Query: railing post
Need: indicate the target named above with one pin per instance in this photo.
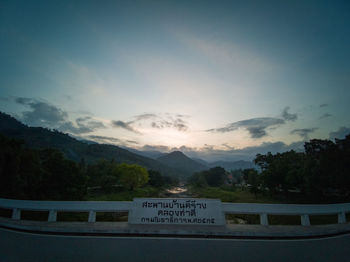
(305, 220)
(264, 219)
(92, 216)
(341, 218)
(52, 216)
(16, 214)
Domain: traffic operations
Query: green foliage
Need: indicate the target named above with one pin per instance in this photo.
(216, 176)
(38, 174)
(323, 168)
(132, 176)
(237, 176)
(251, 176)
(171, 181)
(126, 195)
(63, 178)
(213, 177)
(155, 178)
(227, 194)
(198, 179)
(103, 175)
(73, 149)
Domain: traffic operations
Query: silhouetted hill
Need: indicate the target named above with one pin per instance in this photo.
(241, 164)
(38, 137)
(151, 154)
(181, 162)
(201, 161)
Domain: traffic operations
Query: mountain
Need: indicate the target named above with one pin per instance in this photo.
(201, 161)
(38, 137)
(241, 164)
(151, 154)
(182, 163)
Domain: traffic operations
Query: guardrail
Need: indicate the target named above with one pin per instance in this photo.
(304, 211)
(263, 210)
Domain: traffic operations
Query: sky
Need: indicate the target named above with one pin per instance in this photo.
(214, 79)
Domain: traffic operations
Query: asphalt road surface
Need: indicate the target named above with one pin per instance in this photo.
(21, 246)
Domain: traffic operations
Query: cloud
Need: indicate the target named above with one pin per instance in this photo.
(89, 122)
(46, 115)
(341, 133)
(170, 121)
(159, 148)
(157, 121)
(124, 125)
(83, 125)
(177, 124)
(5, 99)
(132, 142)
(41, 113)
(69, 127)
(304, 132)
(255, 126)
(287, 116)
(323, 105)
(144, 116)
(104, 139)
(326, 115)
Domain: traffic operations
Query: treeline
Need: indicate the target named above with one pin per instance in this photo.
(215, 176)
(322, 170)
(46, 174)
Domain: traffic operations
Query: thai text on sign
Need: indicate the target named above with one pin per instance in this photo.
(176, 211)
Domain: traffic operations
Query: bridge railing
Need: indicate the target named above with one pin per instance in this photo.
(263, 210)
(64, 206)
(304, 211)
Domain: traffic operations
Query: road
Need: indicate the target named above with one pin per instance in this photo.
(20, 246)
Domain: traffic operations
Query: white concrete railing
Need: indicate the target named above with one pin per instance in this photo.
(263, 210)
(304, 211)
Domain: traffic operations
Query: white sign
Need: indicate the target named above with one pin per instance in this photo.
(177, 211)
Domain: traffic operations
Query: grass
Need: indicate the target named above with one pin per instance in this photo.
(231, 195)
(72, 216)
(4, 212)
(124, 195)
(112, 216)
(242, 219)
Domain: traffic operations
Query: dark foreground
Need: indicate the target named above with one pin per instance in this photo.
(20, 246)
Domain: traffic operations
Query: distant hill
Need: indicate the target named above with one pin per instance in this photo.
(201, 161)
(38, 137)
(151, 154)
(181, 162)
(241, 164)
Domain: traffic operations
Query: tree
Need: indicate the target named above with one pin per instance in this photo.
(251, 176)
(63, 179)
(38, 174)
(132, 176)
(216, 176)
(199, 179)
(103, 174)
(155, 178)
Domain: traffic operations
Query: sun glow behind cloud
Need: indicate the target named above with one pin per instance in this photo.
(231, 66)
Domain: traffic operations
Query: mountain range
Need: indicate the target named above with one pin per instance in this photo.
(174, 164)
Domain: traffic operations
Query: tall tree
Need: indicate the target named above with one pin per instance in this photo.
(132, 176)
